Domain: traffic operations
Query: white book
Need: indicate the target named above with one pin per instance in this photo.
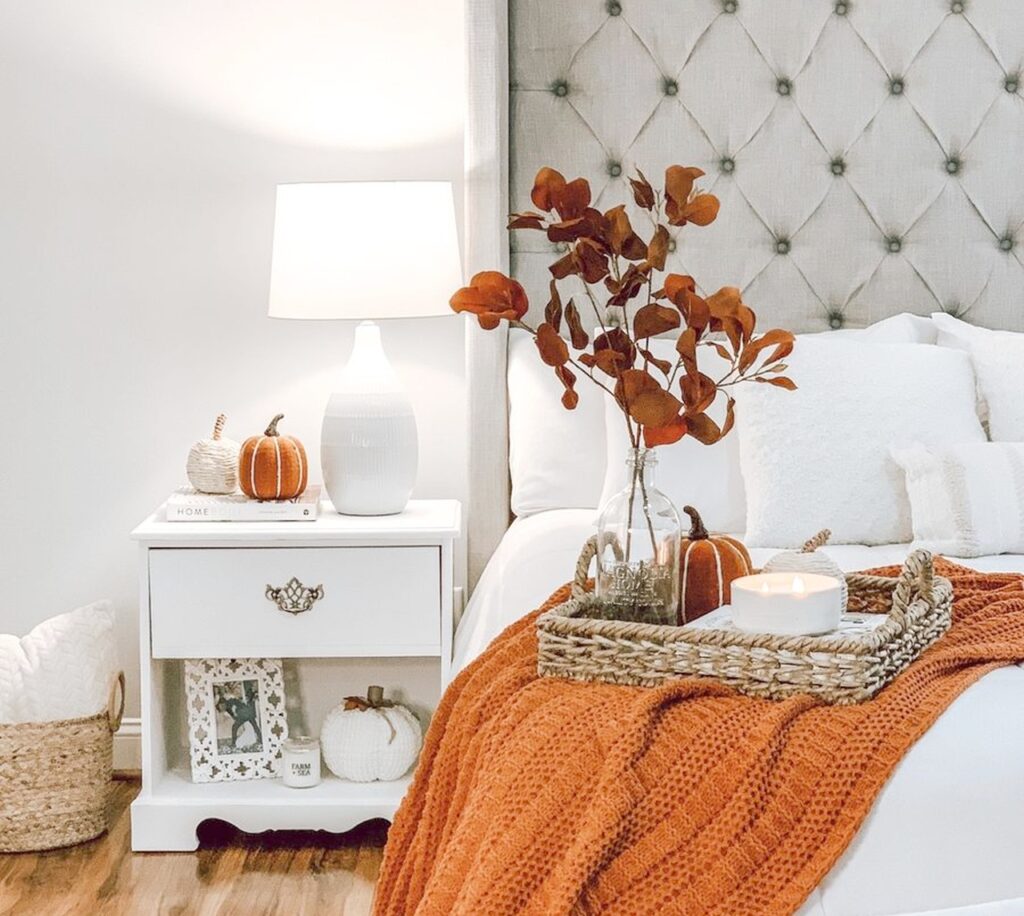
(188, 505)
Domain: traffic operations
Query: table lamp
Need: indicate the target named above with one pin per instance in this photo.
(366, 250)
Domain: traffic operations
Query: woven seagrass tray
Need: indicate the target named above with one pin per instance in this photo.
(576, 640)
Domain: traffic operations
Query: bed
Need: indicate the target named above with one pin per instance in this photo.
(912, 855)
(823, 228)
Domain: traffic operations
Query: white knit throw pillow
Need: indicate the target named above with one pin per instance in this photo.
(966, 500)
(819, 457)
(63, 669)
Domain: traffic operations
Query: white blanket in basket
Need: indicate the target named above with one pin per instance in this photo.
(63, 669)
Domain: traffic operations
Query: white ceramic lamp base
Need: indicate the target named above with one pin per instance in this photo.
(369, 448)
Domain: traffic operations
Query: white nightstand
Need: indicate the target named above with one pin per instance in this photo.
(387, 598)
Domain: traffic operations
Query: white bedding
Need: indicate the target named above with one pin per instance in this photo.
(947, 832)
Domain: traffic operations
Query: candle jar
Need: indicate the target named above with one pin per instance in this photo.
(300, 762)
(639, 535)
(787, 604)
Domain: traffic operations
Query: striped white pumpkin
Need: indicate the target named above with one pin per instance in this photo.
(212, 465)
(808, 559)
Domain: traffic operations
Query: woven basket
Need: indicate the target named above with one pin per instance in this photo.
(574, 641)
(55, 778)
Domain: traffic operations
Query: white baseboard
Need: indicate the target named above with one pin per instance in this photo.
(128, 746)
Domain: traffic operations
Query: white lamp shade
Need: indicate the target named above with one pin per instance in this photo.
(364, 249)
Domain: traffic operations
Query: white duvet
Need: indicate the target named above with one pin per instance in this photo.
(946, 835)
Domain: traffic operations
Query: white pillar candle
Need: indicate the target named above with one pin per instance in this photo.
(300, 762)
(786, 603)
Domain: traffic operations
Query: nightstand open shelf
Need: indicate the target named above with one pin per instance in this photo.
(386, 614)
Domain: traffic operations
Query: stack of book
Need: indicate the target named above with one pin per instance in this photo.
(189, 505)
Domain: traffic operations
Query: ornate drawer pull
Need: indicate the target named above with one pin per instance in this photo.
(294, 597)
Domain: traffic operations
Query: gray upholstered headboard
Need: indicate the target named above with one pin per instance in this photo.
(869, 154)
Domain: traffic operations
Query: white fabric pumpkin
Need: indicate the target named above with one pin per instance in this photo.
(365, 740)
(808, 559)
(212, 465)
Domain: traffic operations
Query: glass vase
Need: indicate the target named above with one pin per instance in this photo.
(639, 533)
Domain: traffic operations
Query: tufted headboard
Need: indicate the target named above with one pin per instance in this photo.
(868, 154)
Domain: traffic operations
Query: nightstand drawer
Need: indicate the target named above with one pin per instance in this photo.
(373, 601)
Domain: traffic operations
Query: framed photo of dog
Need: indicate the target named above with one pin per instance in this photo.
(236, 717)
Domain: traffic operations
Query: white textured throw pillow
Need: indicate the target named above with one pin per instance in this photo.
(819, 457)
(556, 456)
(998, 358)
(708, 476)
(63, 669)
(966, 500)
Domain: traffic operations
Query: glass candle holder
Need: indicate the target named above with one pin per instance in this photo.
(300, 762)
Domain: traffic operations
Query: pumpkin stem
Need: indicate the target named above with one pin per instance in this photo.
(271, 430)
(697, 530)
(819, 540)
(375, 695)
(218, 426)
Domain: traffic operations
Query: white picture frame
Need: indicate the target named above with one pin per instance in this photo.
(236, 718)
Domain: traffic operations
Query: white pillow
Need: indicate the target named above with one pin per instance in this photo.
(966, 500)
(998, 358)
(556, 456)
(708, 476)
(902, 328)
(63, 669)
(819, 457)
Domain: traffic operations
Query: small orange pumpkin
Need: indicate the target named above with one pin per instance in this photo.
(272, 466)
(707, 566)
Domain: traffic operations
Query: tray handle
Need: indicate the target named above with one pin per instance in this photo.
(587, 554)
(918, 571)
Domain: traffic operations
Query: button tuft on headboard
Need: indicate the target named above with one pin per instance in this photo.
(727, 164)
(841, 8)
(835, 319)
(729, 6)
(953, 165)
(669, 86)
(783, 86)
(1006, 243)
(837, 166)
(560, 88)
(614, 7)
(896, 86)
(782, 246)
(893, 244)
(957, 6)
(614, 169)
(1012, 82)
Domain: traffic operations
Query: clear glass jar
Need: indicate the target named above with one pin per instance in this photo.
(639, 534)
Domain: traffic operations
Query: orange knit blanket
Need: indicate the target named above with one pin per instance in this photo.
(543, 796)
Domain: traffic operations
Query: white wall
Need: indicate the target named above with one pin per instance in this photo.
(140, 149)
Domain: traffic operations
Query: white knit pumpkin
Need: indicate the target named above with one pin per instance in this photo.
(363, 740)
(212, 465)
(808, 559)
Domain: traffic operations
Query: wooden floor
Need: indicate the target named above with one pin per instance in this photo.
(275, 874)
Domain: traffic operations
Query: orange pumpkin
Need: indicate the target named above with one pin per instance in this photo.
(708, 564)
(272, 466)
